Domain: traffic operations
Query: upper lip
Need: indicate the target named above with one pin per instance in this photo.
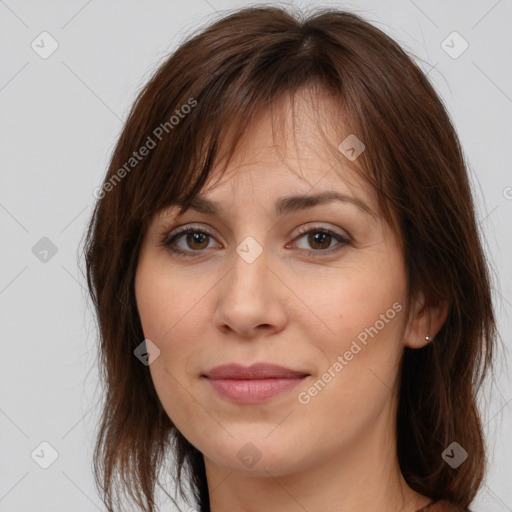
(255, 371)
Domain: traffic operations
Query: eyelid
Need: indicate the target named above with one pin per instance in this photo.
(306, 228)
(169, 230)
(170, 233)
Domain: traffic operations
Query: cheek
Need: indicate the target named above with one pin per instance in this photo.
(365, 300)
(359, 366)
(364, 309)
(165, 301)
(169, 309)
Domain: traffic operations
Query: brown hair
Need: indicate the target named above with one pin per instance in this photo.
(218, 80)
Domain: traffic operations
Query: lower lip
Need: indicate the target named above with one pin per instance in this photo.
(253, 391)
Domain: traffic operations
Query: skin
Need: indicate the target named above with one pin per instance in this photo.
(337, 452)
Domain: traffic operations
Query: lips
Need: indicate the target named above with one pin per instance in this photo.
(253, 372)
(253, 384)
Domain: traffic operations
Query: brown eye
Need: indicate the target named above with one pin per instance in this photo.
(196, 240)
(320, 239)
(197, 237)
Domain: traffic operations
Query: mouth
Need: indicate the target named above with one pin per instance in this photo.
(252, 384)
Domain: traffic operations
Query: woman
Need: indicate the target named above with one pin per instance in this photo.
(290, 287)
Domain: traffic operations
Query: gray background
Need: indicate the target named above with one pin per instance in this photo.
(60, 119)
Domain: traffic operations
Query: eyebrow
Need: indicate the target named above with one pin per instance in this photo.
(288, 204)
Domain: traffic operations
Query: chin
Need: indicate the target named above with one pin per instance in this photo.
(256, 455)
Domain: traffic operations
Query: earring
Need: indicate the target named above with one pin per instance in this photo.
(428, 339)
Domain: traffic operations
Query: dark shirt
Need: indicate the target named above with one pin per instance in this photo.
(442, 506)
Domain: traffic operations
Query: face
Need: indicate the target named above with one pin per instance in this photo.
(317, 288)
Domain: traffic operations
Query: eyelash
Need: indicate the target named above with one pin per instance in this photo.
(169, 240)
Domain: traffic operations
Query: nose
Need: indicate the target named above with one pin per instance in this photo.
(251, 299)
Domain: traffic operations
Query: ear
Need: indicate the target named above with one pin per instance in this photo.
(424, 322)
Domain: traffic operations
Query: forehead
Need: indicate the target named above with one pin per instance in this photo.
(290, 148)
(307, 126)
(295, 145)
